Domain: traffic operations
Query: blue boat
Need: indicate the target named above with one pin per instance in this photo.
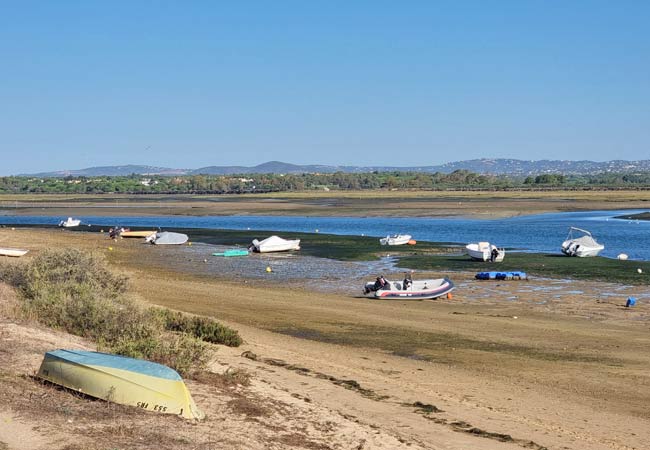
(501, 276)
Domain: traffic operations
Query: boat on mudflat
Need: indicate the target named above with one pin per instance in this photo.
(136, 234)
(232, 252)
(395, 239)
(70, 222)
(14, 252)
(167, 238)
(518, 275)
(584, 245)
(274, 244)
(119, 379)
(415, 290)
(484, 251)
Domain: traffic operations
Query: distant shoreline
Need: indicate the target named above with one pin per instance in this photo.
(475, 205)
(640, 216)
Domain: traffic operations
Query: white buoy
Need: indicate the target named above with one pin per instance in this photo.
(622, 256)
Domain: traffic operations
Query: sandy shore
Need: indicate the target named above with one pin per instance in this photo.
(536, 364)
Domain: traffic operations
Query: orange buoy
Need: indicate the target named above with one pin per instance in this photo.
(412, 242)
(449, 296)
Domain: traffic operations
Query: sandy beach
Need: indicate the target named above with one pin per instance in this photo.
(543, 363)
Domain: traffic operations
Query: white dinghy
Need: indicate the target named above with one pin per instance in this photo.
(582, 246)
(395, 239)
(70, 222)
(167, 238)
(274, 244)
(484, 251)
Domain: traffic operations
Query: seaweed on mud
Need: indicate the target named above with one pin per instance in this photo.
(425, 407)
(463, 427)
(347, 384)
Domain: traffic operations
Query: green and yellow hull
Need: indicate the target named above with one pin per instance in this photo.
(119, 379)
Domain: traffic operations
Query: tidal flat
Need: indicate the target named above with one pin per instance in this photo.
(554, 360)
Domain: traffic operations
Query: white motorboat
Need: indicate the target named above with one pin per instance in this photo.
(70, 222)
(167, 238)
(395, 239)
(582, 246)
(15, 252)
(484, 251)
(416, 289)
(274, 244)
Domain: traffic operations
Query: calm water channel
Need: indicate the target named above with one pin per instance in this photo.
(538, 233)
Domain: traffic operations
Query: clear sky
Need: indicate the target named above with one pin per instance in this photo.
(189, 84)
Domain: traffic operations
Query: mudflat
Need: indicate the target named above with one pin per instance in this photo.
(476, 204)
(542, 363)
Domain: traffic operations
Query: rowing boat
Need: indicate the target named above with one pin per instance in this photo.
(119, 379)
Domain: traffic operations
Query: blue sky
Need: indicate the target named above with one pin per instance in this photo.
(197, 83)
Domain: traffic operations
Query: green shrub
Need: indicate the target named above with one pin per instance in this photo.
(203, 328)
(77, 292)
(71, 271)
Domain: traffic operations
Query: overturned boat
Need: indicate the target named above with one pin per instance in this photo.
(484, 251)
(274, 244)
(232, 252)
(119, 379)
(395, 239)
(517, 275)
(13, 252)
(584, 245)
(416, 289)
(167, 238)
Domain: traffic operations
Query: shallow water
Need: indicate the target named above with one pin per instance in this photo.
(320, 274)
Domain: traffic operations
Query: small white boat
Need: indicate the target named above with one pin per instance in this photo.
(167, 238)
(14, 252)
(274, 244)
(70, 222)
(395, 239)
(582, 246)
(415, 290)
(484, 251)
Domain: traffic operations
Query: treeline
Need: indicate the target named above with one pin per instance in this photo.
(264, 183)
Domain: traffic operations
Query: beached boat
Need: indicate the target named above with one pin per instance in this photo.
(232, 252)
(136, 234)
(395, 239)
(501, 276)
(70, 222)
(584, 245)
(274, 244)
(14, 252)
(119, 379)
(167, 238)
(417, 289)
(484, 251)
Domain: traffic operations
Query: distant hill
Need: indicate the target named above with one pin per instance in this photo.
(111, 171)
(515, 167)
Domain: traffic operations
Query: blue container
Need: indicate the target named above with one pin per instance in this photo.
(631, 301)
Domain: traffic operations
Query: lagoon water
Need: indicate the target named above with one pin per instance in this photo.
(535, 233)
